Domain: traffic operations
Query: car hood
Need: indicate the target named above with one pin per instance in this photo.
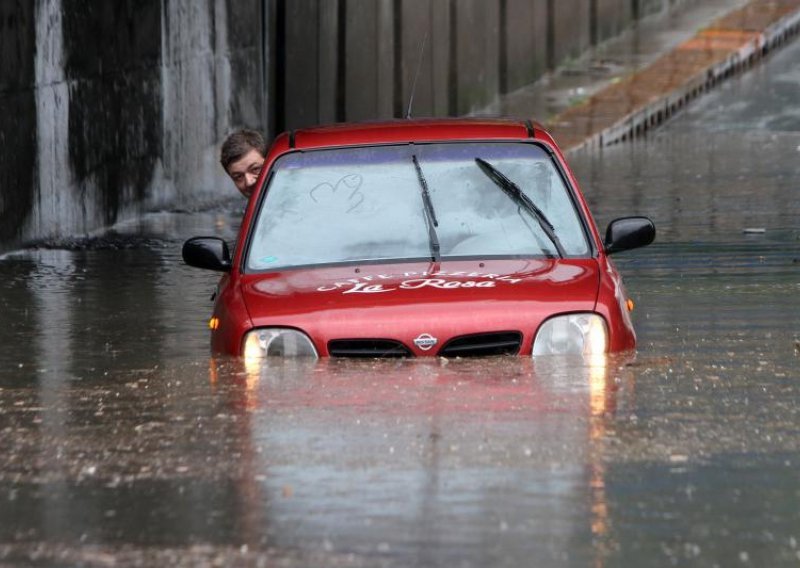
(401, 301)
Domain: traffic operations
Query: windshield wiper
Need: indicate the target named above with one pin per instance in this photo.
(430, 214)
(514, 192)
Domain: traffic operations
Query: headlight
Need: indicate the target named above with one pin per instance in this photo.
(279, 342)
(580, 334)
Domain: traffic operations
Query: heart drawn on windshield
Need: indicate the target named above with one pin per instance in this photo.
(346, 191)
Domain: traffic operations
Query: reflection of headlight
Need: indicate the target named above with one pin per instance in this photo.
(274, 341)
(580, 334)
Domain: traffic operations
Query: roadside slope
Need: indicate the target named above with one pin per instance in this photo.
(646, 98)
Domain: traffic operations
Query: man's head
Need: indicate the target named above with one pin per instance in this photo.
(242, 156)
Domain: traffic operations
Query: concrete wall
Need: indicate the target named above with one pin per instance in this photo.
(18, 140)
(611, 17)
(111, 108)
(340, 60)
(108, 109)
(525, 25)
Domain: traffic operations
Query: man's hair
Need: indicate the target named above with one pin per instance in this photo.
(238, 144)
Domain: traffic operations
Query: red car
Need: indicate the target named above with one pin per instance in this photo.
(451, 238)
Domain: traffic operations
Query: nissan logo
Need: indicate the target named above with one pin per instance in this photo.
(425, 341)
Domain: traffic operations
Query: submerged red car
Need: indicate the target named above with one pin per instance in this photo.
(456, 237)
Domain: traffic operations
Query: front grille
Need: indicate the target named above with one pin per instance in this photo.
(483, 345)
(367, 348)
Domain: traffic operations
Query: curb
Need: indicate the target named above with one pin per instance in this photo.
(647, 98)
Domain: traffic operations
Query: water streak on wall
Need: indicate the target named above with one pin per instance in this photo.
(195, 89)
(60, 206)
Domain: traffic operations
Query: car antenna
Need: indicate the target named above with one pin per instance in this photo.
(416, 76)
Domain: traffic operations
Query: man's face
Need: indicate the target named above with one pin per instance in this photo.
(244, 172)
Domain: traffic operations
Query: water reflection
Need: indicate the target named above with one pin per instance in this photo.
(431, 461)
(477, 441)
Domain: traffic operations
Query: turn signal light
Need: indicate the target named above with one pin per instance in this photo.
(629, 304)
(213, 323)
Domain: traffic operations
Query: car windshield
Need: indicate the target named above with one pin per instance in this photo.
(413, 202)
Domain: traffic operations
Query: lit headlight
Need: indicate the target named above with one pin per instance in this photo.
(579, 334)
(278, 342)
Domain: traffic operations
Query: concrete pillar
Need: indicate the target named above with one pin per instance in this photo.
(361, 60)
(416, 25)
(571, 30)
(18, 114)
(612, 17)
(327, 58)
(477, 52)
(526, 42)
(302, 70)
(187, 94)
(385, 71)
(369, 60)
(59, 207)
(239, 64)
(439, 44)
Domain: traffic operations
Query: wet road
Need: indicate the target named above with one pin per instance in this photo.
(123, 443)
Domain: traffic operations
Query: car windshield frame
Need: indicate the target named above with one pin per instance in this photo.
(567, 186)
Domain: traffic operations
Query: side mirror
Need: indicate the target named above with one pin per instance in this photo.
(629, 233)
(207, 252)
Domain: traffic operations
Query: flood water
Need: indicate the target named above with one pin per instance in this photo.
(122, 442)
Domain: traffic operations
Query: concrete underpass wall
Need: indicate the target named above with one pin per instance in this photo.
(109, 109)
(18, 140)
(346, 60)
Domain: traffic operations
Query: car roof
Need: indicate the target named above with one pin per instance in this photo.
(414, 130)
